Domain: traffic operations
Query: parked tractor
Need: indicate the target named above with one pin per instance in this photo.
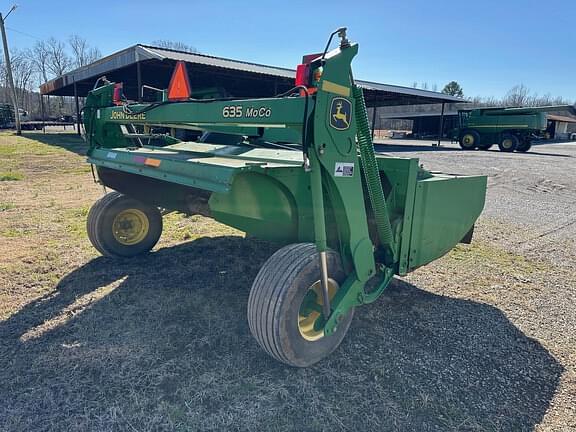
(512, 129)
(301, 172)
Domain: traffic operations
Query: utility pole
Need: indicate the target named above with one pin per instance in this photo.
(9, 71)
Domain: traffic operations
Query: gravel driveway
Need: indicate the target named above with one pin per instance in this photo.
(529, 228)
(537, 188)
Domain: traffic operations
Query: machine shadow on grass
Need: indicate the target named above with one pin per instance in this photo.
(169, 349)
(69, 141)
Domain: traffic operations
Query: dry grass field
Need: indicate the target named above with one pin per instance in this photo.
(481, 340)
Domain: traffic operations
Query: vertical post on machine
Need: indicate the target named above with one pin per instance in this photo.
(320, 227)
(326, 308)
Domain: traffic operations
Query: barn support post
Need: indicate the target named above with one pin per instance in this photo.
(441, 125)
(373, 121)
(78, 122)
(43, 113)
(139, 80)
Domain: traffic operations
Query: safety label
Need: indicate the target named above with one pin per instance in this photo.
(344, 169)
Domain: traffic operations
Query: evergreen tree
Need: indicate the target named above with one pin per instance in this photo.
(453, 89)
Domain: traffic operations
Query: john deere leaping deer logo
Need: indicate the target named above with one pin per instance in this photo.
(340, 113)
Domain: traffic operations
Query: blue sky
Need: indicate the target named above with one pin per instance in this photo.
(488, 46)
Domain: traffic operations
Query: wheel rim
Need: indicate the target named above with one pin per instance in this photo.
(507, 143)
(468, 140)
(310, 314)
(130, 227)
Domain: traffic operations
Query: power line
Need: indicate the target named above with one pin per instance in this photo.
(23, 33)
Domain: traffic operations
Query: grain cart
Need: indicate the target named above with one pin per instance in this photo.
(510, 128)
(305, 175)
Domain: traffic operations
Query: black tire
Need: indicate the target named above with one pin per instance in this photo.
(276, 297)
(112, 217)
(508, 143)
(485, 146)
(469, 140)
(524, 146)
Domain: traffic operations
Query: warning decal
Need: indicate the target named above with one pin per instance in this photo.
(344, 169)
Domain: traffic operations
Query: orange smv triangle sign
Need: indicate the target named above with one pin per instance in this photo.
(179, 88)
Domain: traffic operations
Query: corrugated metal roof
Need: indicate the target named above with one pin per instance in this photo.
(284, 72)
(163, 53)
(409, 91)
(94, 70)
(564, 119)
(141, 53)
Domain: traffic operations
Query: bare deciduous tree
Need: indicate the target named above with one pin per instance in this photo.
(82, 52)
(178, 46)
(23, 69)
(520, 95)
(40, 57)
(517, 96)
(58, 61)
(46, 60)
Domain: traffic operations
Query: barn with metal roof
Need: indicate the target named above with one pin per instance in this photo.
(144, 65)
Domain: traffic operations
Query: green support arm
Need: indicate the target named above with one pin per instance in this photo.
(255, 117)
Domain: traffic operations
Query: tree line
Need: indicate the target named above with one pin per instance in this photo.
(45, 60)
(51, 58)
(518, 95)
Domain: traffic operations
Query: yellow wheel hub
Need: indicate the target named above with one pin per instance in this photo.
(311, 310)
(130, 227)
(468, 139)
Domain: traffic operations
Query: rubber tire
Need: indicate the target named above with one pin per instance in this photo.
(275, 299)
(515, 142)
(101, 217)
(475, 143)
(484, 146)
(524, 146)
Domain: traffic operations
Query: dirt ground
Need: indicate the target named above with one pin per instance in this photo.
(483, 339)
